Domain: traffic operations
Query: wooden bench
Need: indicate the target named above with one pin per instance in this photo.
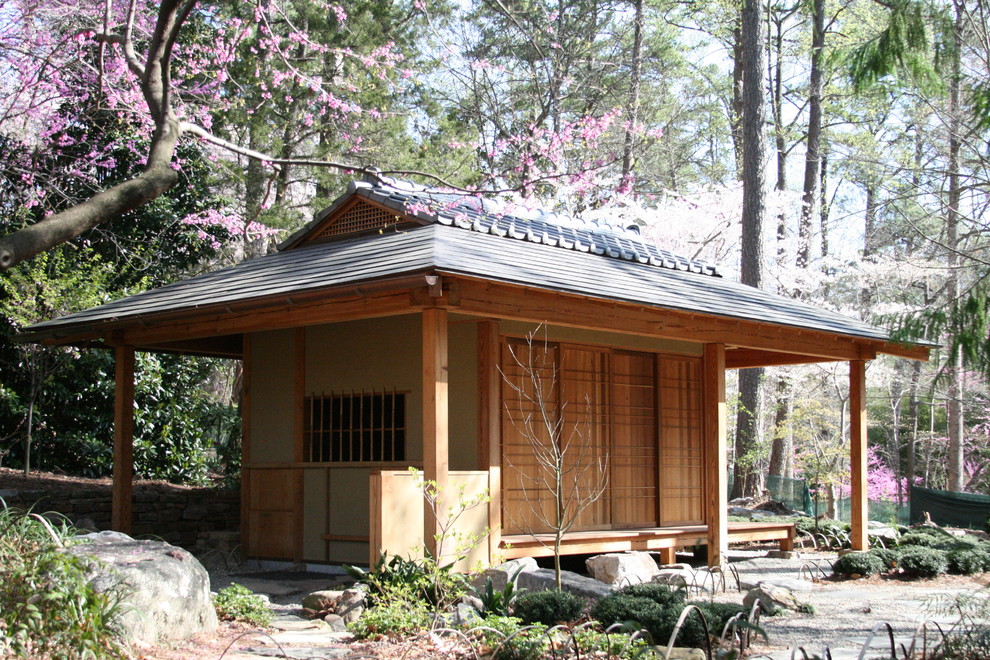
(662, 540)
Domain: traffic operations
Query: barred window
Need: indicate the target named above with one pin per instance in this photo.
(355, 426)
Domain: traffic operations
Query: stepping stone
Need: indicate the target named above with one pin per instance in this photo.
(291, 622)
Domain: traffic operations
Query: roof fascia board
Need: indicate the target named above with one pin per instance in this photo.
(534, 305)
(193, 323)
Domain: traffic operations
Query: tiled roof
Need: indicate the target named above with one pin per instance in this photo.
(535, 226)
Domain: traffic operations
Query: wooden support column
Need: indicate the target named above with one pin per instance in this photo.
(435, 420)
(857, 454)
(123, 439)
(298, 450)
(247, 541)
(715, 453)
(490, 427)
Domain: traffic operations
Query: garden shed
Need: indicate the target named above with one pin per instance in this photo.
(392, 332)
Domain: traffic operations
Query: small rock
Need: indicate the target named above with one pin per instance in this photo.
(771, 598)
(350, 605)
(466, 614)
(474, 602)
(336, 622)
(783, 554)
(321, 600)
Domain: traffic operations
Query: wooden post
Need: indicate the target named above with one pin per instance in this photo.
(298, 452)
(435, 421)
(247, 547)
(715, 453)
(123, 439)
(859, 507)
(490, 427)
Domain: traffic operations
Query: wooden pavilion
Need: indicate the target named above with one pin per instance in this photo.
(386, 333)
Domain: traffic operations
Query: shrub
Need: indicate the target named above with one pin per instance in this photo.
(547, 607)
(238, 603)
(509, 640)
(858, 563)
(656, 618)
(47, 606)
(969, 560)
(660, 594)
(589, 642)
(889, 556)
(718, 614)
(924, 562)
(421, 579)
(398, 617)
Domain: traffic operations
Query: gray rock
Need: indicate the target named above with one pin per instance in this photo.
(771, 598)
(504, 572)
(165, 591)
(620, 569)
(350, 605)
(321, 600)
(675, 576)
(881, 530)
(467, 615)
(742, 512)
(473, 602)
(544, 578)
(336, 622)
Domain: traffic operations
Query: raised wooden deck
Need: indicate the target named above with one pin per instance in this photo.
(664, 540)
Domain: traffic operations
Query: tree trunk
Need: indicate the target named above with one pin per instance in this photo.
(781, 448)
(753, 220)
(955, 373)
(27, 438)
(812, 158)
(632, 109)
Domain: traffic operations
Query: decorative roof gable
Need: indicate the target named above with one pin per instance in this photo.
(373, 207)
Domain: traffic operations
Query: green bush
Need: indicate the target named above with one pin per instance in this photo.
(547, 607)
(397, 577)
(928, 537)
(858, 563)
(509, 640)
(969, 560)
(47, 606)
(656, 608)
(660, 594)
(394, 618)
(889, 556)
(924, 562)
(589, 642)
(238, 603)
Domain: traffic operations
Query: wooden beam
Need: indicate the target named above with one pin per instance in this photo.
(490, 426)
(536, 305)
(123, 439)
(747, 358)
(435, 422)
(858, 454)
(246, 531)
(715, 453)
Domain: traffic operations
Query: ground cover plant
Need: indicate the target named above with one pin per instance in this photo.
(238, 603)
(47, 607)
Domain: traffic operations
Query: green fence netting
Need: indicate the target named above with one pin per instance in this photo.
(950, 509)
(793, 493)
(885, 511)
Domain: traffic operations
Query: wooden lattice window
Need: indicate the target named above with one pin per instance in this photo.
(358, 218)
(352, 427)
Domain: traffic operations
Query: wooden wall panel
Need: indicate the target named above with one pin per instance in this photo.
(524, 500)
(633, 457)
(680, 440)
(271, 514)
(584, 433)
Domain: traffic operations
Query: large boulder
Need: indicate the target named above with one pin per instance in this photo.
(544, 578)
(621, 569)
(164, 590)
(504, 572)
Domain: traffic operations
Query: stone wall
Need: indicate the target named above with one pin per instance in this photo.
(179, 515)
